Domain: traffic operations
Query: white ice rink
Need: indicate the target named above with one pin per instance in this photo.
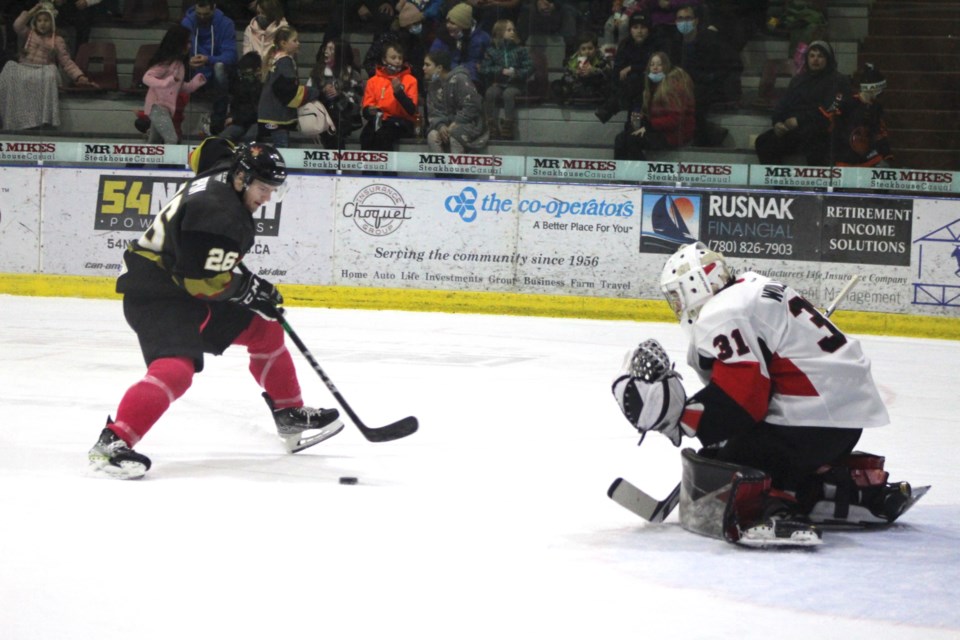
(491, 522)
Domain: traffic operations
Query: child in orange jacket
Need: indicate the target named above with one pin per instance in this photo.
(389, 103)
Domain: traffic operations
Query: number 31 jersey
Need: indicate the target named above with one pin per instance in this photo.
(782, 361)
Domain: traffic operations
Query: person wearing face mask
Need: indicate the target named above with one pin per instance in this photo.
(665, 117)
(29, 95)
(715, 67)
(389, 103)
(258, 36)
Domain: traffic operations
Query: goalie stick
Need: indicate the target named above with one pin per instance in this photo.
(393, 431)
(640, 503)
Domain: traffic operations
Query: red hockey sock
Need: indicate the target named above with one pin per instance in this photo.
(142, 405)
(270, 362)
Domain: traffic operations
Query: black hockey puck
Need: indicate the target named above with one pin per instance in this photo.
(348, 480)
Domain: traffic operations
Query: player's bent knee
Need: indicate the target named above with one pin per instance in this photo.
(174, 374)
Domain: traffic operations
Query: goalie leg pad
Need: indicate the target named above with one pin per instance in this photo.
(733, 503)
(856, 493)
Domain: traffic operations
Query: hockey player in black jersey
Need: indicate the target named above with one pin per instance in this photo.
(184, 294)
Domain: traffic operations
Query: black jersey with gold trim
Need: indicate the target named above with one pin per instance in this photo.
(194, 243)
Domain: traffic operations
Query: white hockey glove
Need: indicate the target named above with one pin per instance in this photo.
(650, 393)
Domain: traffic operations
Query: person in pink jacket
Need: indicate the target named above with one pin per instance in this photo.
(29, 88)
(165, 77)
(259, 34)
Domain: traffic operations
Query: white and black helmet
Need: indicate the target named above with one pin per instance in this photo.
(692, 276)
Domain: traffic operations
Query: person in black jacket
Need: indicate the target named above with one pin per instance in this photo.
(798, 122)
(715, 67)
(630, 66)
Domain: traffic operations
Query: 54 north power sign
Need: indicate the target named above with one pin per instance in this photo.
(128, 203)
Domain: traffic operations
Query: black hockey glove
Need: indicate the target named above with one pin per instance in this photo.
(259, 296)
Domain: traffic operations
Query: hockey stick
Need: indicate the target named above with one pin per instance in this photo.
(393, 431)
(637, 501)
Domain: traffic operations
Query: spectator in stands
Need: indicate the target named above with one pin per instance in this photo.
(165, 78)
(410, 40)
(245, 90)
(665, 117)
(213, 53)
(617, 26)
(389, 103)
(715, 67)
(551, 17)
(258, 36)
(341, 90)
(463, 40)
(456, 112)
(282, 92)
(586, 76)
(633, 54)
(505, 69)
(798, 123)
(858, 132)
(29, 89)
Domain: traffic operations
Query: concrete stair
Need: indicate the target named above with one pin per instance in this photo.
(916, 46)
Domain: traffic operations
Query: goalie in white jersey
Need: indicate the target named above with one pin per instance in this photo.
(786, 392)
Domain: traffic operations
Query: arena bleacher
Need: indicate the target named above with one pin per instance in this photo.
(916, 46)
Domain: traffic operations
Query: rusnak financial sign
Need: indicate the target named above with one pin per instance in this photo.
(787, 227)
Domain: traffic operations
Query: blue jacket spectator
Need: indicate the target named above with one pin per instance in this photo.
(214, 36)
(213, 52)
(463, 40)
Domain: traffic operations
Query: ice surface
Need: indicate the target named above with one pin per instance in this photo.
(491, 522)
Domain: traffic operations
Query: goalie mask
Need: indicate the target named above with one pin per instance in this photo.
(692, 276)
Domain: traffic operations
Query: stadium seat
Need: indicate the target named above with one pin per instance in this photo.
(144, 53)
(98, 61)
(538, 85)
(141, 12)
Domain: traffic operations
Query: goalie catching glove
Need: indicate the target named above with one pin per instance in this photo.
(259, 295)
(650, 393)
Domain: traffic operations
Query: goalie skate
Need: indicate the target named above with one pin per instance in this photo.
(781, 532)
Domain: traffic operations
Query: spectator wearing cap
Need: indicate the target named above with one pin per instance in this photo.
(629, 67)
(798, 122)
(551, 17)
(858, 131)
(463, 40)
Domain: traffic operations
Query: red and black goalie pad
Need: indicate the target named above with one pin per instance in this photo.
(719, 499)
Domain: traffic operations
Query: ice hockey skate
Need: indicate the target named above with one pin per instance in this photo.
(303, 427)
(112, 456)
(781, 530)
